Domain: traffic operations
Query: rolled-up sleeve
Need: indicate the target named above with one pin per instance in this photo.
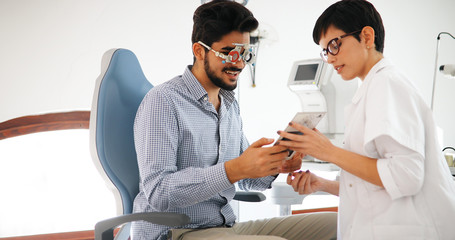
(395, 134)
(401, 169)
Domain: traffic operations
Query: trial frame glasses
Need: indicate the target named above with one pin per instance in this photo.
(235, 55)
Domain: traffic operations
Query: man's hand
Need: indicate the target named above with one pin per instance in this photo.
(293, 164)
(257, 161)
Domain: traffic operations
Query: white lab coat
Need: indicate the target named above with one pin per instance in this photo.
(388, 120)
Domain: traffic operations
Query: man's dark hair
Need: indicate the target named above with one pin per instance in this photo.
(351, 16)
(217, 18)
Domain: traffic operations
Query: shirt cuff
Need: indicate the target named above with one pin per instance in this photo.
(218, 175)
(269, 180)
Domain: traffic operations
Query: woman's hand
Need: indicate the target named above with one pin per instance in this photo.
(305, 182)
(312, 142)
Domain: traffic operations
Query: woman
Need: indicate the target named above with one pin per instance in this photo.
(394, 182)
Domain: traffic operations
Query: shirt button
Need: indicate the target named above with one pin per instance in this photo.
(350, 185)
(205, 98)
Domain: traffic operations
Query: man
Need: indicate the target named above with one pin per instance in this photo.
(191, 147)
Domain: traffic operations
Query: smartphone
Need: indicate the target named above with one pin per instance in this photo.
(308, 119)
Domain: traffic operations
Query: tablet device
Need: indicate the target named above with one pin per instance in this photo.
(307, 119)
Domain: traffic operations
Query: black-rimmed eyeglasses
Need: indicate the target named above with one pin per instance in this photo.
(333, 47)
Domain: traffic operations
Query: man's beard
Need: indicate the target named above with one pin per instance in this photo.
(216, 80)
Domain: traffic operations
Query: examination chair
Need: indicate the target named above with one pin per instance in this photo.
(119, 90)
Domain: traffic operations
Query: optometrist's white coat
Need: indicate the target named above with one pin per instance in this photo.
(389, 120)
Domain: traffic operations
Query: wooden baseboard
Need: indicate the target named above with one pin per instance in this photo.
(80, 235)
(328, 209)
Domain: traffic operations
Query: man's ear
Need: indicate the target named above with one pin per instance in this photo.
(198, 51)
(368, 34)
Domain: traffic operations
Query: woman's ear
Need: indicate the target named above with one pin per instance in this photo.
(368, 34)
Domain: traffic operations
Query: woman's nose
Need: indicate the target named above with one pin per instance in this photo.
(330, 58)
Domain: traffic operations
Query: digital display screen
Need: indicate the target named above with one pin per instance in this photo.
(306, 72)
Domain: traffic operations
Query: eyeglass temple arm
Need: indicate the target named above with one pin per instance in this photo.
(203, 44)
(218, 54)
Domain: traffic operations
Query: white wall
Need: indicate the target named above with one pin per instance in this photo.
(411, 31)
(51, 51)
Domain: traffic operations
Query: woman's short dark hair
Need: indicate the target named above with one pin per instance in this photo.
(217, 18)
(351, 16)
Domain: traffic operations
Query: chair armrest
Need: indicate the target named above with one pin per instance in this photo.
(249, 196)
(105, 229)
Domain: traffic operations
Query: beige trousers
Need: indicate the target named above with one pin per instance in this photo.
(310, 226)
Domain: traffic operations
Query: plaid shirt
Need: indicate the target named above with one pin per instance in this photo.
(182, 143)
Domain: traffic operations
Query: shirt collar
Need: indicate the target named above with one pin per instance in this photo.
(373, 71)
(376, 68)
(198, 92)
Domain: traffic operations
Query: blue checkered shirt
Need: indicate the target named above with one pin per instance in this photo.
(182, 143)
